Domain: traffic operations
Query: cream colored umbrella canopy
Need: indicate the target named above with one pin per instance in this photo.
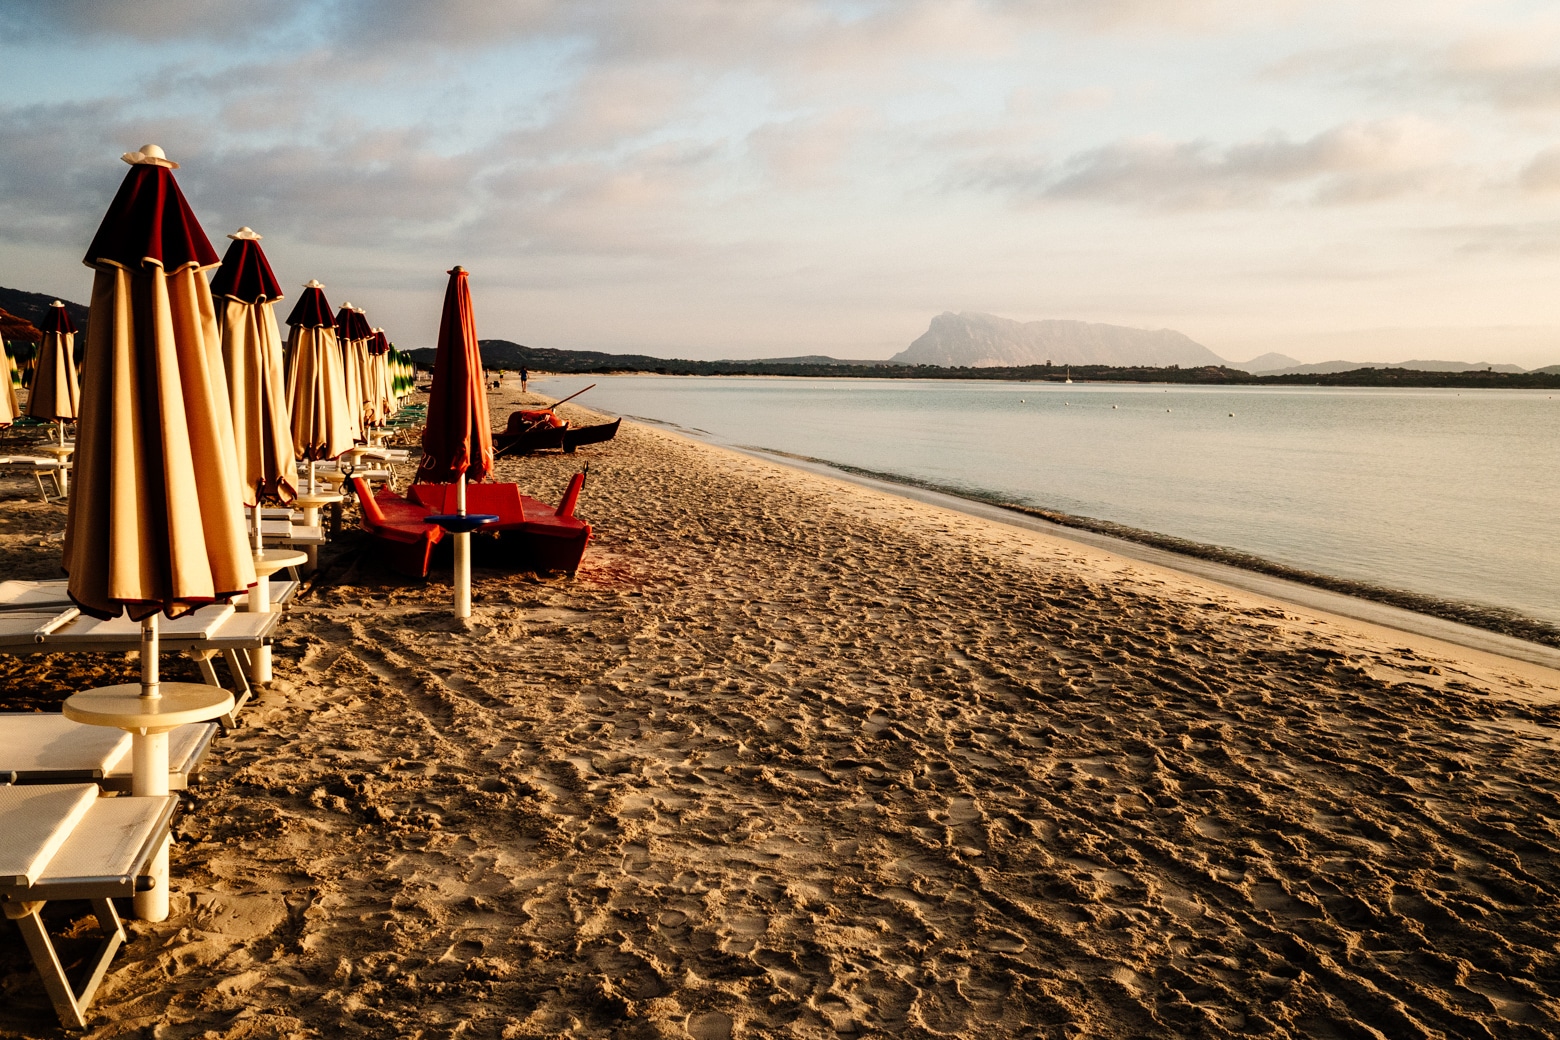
(352, 358)
(56, 390)
(246, 289)
(316, 384)
(155, 523)
(8, 407)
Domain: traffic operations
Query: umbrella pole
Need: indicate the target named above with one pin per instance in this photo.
(311, 477)
(149, 775)
(260, 602)
(462, 556)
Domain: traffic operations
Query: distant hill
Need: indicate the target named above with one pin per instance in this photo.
(978, 340)
(499, 353)
(35, 307)
(511, 356)
(810, 359)
(1323, 368)
(1267, 363)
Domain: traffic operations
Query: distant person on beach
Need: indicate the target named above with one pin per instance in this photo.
(524, 378)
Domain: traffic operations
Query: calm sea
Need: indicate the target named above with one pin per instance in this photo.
(1448, 493)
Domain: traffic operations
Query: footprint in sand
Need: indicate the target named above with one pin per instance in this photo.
(710, 1025)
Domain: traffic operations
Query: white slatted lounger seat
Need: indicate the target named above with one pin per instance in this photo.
(39, 595)
(203, 634)
(64, 841)
(21, 627)
(33, 595)
(47, 748)
(285, 532)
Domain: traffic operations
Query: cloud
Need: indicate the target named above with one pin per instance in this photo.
(149, 20)
(1351, 163)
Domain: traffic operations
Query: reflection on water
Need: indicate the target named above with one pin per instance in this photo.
(1442, 492)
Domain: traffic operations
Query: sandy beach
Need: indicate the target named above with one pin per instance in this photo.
(791, 757)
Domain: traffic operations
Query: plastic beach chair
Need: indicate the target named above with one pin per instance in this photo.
(64, 841)
(48, 748)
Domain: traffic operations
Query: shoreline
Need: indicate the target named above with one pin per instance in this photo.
(1449, 620)
(1481, 627)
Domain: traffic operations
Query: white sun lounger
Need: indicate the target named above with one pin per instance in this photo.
(48, 748)
(41, 595)
(203, 634)
(64, 841)
(39, 468)
(32, 595)
(34, 626)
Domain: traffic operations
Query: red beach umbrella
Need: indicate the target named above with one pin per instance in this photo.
(457, 441)
(55, 388)
(316, 385)
(246, 291)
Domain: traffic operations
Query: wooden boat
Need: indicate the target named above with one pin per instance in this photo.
(529, 431)
(574, 436)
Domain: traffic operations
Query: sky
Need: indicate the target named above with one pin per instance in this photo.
(1371, 180)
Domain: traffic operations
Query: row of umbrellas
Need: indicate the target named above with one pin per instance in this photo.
(194, 406)
(185, 417)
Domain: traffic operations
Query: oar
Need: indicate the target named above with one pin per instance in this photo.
(566, 400)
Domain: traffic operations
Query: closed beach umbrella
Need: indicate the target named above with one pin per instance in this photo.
(55, 388)
(246, 290)
(7, 395)
(457, 441)
(155, 525)
(9, 409)
(363, 340)
(379, 360)
(316, 387)
(351, 365)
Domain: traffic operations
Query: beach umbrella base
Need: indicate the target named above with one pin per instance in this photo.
(267, 563)
(148, 710)
(460, 526)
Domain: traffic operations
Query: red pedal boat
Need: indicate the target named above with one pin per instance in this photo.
(531, 534)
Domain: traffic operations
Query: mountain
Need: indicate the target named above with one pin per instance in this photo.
(1269, 362)
(987, 341)
(35, 307)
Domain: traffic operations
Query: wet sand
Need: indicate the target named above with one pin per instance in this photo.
(792, 757)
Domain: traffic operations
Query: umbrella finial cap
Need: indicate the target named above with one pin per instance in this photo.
(314, 283)
(348, 306)
(56, 303)
(149, 155)
(245, 234)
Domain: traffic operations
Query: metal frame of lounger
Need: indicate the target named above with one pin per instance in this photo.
(238, 634)
(40, 466)
(48, 748)
(105, 852)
